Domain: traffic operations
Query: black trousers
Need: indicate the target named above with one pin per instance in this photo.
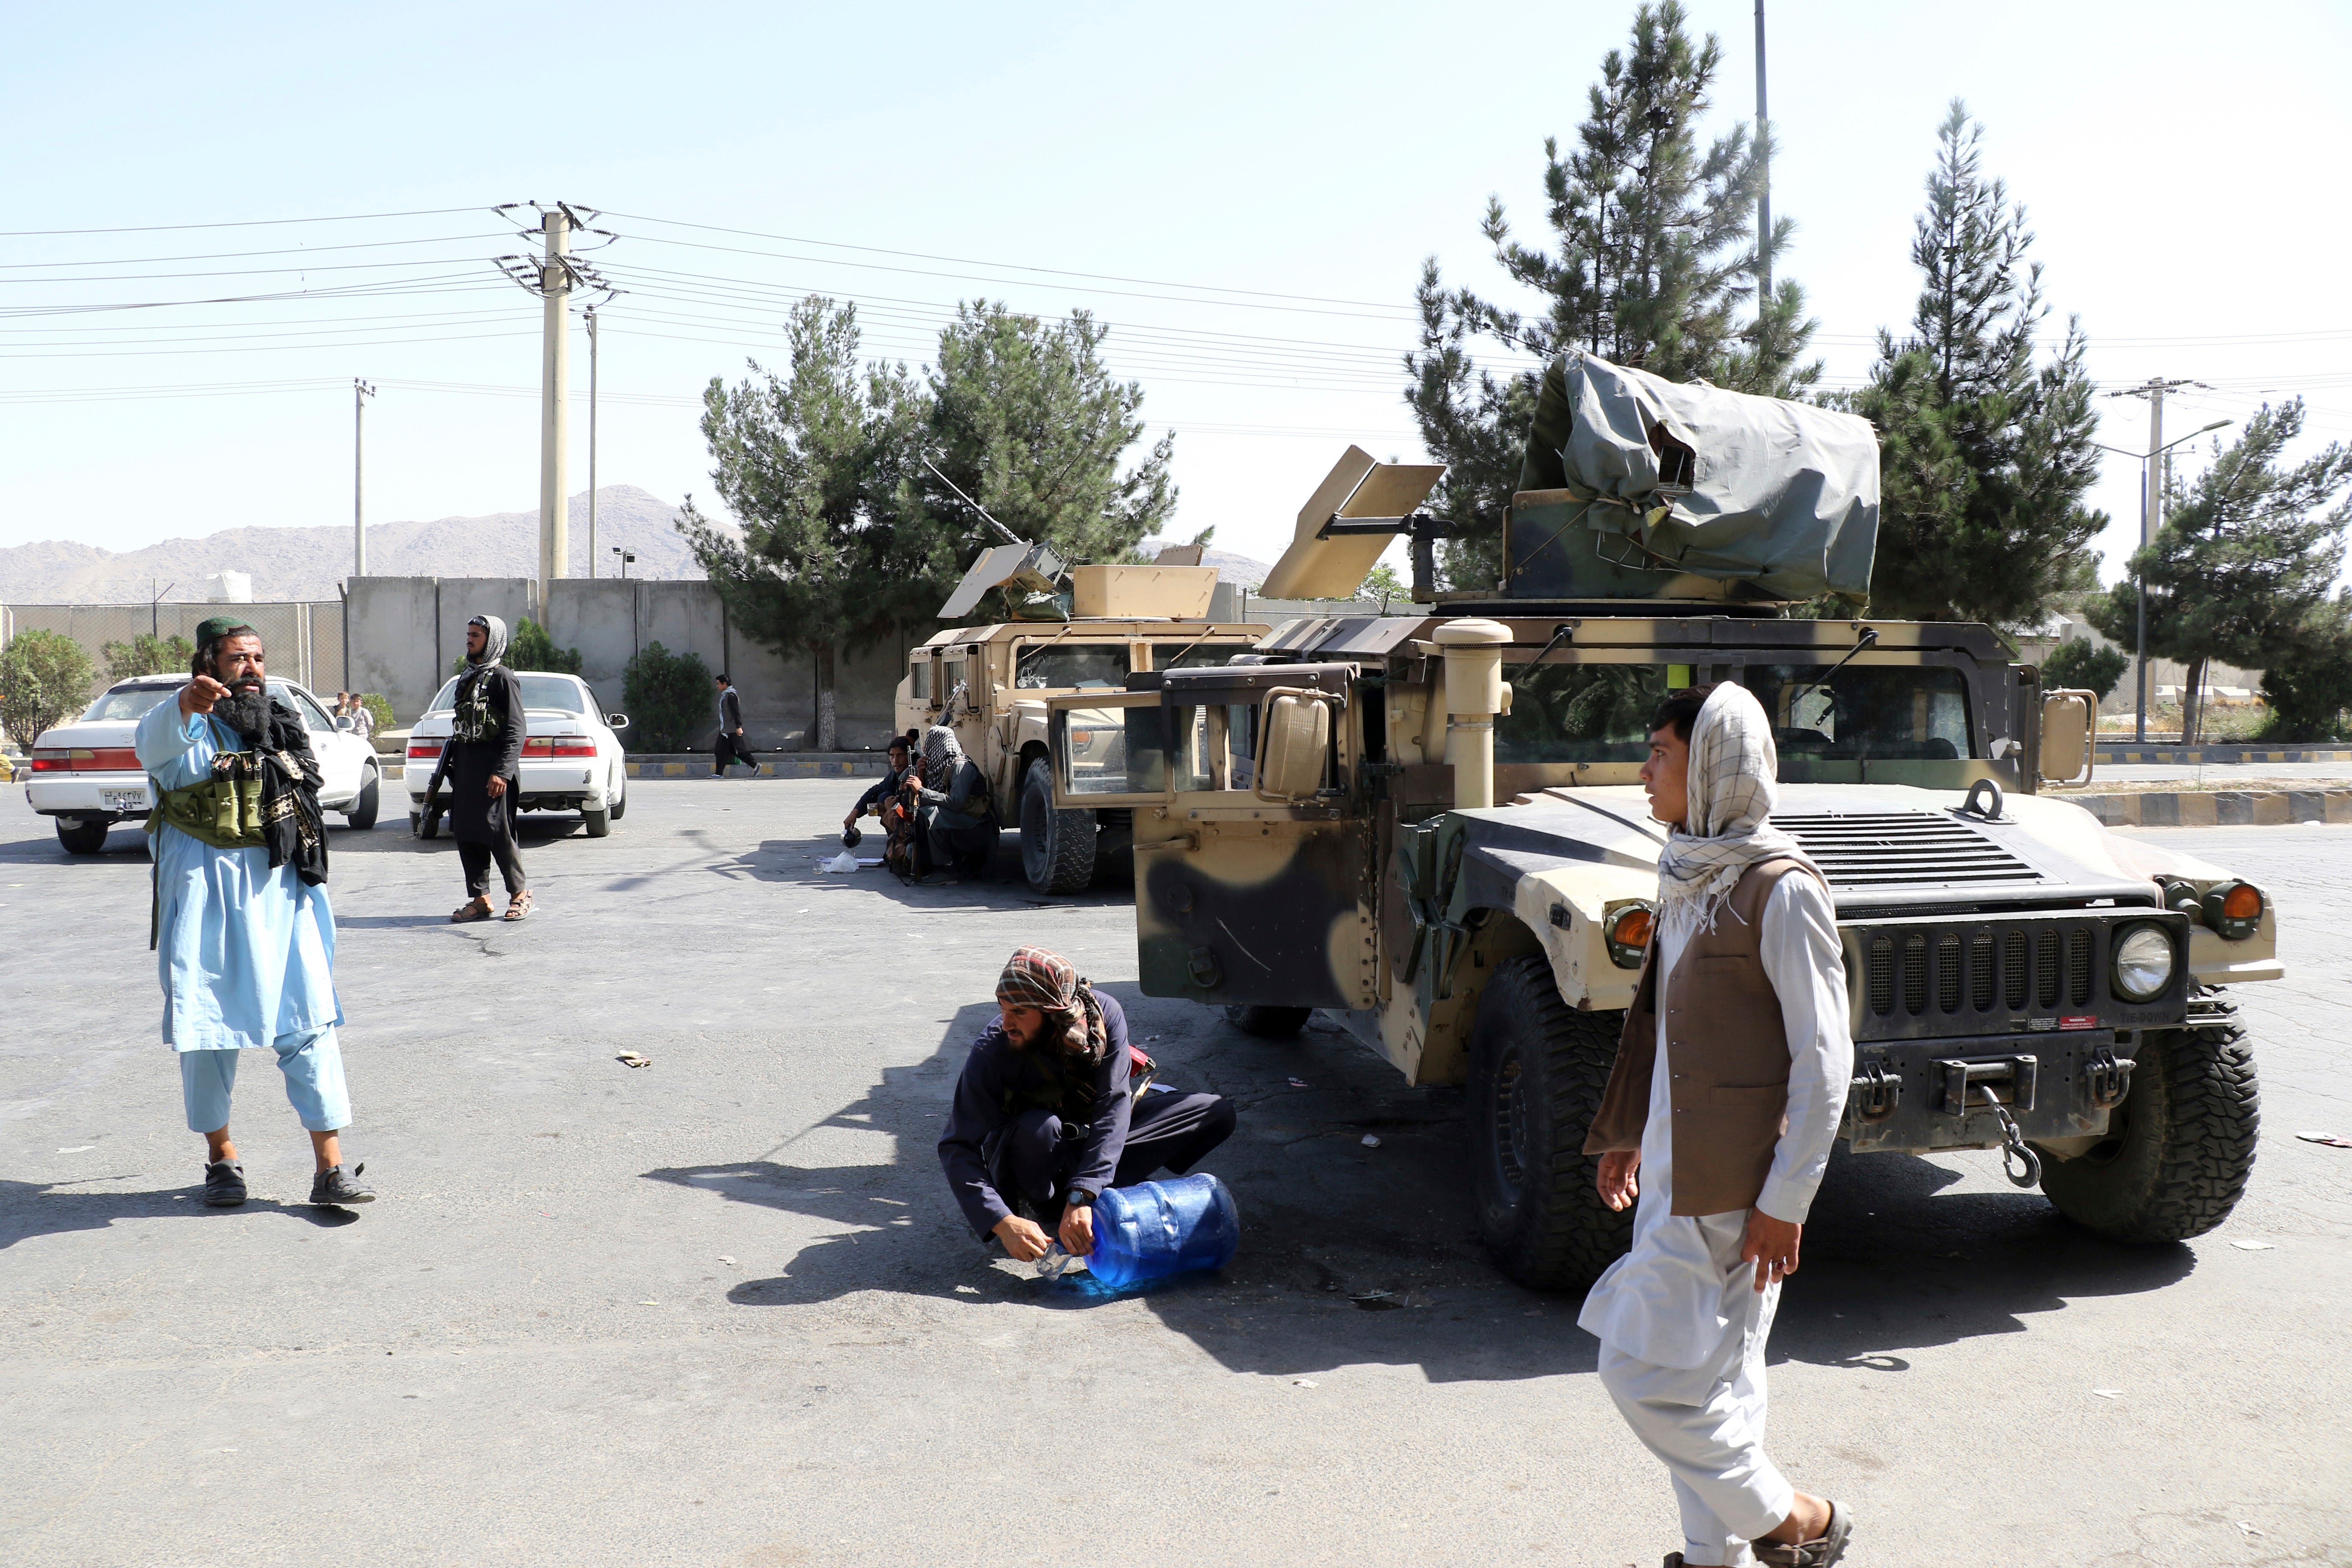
(1176, 1131)
(727, 748)
(476, 855)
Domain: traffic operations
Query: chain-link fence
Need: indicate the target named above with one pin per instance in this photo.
(304, 640)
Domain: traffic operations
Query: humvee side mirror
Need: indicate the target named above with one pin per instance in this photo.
(1291, 751)
(2067, 724)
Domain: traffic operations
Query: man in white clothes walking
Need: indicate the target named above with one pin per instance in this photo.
(1718, 1120)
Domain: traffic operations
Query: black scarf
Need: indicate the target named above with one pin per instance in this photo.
(292, 826)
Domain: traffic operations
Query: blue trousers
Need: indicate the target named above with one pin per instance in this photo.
(312, 1063)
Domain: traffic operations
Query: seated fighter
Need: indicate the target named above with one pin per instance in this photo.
(1045, 1117)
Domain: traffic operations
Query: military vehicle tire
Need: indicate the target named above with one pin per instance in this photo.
(1536, 1069)
(1057, 848)
(1269, 1023)
(2180, 1159)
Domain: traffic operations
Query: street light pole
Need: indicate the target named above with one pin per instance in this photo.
(591, 440)
(1764, 191)
(361, 393)
(2150, 499)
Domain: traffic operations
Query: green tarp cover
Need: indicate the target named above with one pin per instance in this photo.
(1783, 494)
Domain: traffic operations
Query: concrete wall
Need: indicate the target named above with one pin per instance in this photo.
(403, 635)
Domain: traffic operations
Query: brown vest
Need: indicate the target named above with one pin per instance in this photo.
(1725, 1050)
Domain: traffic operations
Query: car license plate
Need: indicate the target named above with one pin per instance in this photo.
(123, 799)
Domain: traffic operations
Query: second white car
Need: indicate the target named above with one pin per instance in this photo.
(572, 759)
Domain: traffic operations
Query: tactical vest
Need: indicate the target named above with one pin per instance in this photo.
(223, 811)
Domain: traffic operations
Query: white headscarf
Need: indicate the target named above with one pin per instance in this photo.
(494, 641)
(1732, 789)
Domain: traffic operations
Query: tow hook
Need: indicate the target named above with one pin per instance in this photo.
(2106, 1080)
(1874, 1092)
(2012, 1144)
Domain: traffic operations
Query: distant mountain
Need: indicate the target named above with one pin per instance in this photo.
(1231, 567)
(308, 562)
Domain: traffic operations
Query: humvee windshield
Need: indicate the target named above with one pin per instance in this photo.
(1071, 666)
(1600, 712)
(1884, 712)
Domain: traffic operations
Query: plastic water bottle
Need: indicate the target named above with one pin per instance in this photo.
(1151, 1231)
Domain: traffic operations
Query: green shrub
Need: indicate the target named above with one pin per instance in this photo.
(380, 709)
(534, 650)
(2084, 665)
(148, 654)
(44, 678)
(529, 647)
(670, 700)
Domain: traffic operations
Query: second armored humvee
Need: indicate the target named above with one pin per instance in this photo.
(989, 683)
(1431, 826)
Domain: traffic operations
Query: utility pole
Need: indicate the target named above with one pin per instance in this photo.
(1764, 195)
(552, 276)
(591, 314)
(2151, 508)
(361, 393)
(554, 421)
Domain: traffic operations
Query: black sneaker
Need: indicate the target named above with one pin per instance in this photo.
(224, 1183)
(332, 1188)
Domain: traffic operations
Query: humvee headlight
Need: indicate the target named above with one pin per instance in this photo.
(1628, 933)
(2234, 909)
(2143, 963)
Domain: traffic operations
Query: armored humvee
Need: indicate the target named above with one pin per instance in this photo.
(1093, 627)
(1431, 826)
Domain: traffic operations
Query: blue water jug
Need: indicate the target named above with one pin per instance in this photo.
(1148, 1232)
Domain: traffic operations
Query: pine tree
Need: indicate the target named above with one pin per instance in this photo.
(808, 462)
(1652, 267)
(1027, 419)
(848, 536)
(1985, 457)
(2242, 568)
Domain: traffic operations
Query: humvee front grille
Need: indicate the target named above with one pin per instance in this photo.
(1966, 978)
(1904, 848)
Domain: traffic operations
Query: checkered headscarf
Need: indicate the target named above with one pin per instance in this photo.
(1041, 978)
(941, 756)
(1732, 789)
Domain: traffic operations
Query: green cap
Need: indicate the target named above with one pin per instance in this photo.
(216, 628)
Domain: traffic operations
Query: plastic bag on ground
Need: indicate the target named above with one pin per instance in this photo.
(842, 862)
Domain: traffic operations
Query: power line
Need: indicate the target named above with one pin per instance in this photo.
(235, 255)
(247, 223)
(968, 261)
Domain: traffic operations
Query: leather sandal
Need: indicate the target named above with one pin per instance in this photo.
(1823, 1550)
(472, 909)
(518, 907)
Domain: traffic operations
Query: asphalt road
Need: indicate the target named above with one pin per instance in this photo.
(720, 1310)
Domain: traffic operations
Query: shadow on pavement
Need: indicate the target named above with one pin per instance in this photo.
(795, 862)
(32, 1208)
(1892, 1262)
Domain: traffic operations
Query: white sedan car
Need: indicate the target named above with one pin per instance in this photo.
(572, 759)
(85, 774)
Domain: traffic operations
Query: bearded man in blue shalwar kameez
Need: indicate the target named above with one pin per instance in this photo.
(245, 938)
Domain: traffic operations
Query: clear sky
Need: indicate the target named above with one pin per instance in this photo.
(1246, 193)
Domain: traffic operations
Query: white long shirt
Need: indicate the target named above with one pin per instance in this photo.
(1672, 1298)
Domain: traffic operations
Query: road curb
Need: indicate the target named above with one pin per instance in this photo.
(2110, 753)
(2216, 808)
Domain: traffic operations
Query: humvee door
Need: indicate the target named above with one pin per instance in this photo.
(1253, 881)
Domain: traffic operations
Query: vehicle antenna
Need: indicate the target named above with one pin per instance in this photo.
(1010, 537)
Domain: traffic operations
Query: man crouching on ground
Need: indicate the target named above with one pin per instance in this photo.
(1718, 1118)
(1044, 1118)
